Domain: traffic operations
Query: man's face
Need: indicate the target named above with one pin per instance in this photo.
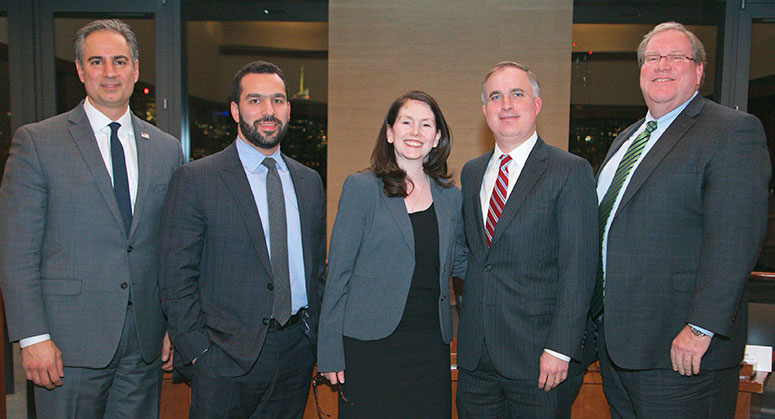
(510, 108)
(263, 111)
(667, 85)
(108, 73)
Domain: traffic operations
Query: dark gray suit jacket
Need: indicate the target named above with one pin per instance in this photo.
(66, 264)
(530, 290)
(686, 236)
(371, 264)
(214, 270)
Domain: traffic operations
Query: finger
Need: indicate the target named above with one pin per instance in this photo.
(340, 376)
(53, 374)
(59, 365)
(696, 364)
(542, 379)
(43, 379)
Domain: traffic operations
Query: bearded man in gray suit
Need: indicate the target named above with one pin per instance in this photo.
(529, 212)
(685, 194)
(80, 207)
(242, 262)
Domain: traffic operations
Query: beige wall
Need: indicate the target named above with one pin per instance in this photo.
(378, 50)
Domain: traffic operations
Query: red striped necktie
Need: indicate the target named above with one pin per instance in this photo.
(498, 198)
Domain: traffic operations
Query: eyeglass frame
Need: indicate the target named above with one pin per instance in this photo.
(669, 58)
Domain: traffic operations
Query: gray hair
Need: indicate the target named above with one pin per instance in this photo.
(698, 50)
(112, 25)
(503, 64)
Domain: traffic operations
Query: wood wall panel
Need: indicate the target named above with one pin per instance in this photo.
(378, 50)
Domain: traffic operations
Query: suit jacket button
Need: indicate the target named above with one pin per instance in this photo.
(266, 320)
(443, 297)
(124, 285)
(269, 286)
(488, 268)
(129, 249)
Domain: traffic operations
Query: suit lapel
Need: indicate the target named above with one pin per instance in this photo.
(617, 143)
(478, 167)
(306, 212)
(664, 144)
(83, 136)
(442, 209)
(233, 176)
(397, 209)
(144, 164)
(534, 168)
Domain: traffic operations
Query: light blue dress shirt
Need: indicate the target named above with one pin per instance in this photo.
(608, 171)
(256, 172)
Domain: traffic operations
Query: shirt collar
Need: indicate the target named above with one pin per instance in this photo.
(251, 158)
(519, 154)
(668, 118)
(99, 121)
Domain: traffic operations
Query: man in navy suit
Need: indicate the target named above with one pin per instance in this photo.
(242, 288)
(529, 212)
(685, 192)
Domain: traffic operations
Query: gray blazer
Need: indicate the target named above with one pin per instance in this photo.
(214, 270)
(686, 236)
(66, 264)
(530, 290)
(371, 264)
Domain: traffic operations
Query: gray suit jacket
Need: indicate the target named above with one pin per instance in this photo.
(686, 236)
(530, 290)
(214, 270)
(66, 265)
(371, 264)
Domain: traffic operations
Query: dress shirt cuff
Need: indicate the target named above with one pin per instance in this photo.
(557, 355)
(706, 331)
(23, 343)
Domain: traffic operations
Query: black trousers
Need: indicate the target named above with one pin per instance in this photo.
(276, 387)
(661, 393)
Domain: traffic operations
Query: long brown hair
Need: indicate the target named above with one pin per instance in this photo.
(383, 158)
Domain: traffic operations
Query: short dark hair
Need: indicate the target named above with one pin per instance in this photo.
(256, 67)
(383, 158)
(111, 25)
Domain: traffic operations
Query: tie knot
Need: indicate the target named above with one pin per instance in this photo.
(651, 126)
(505, 159)
(269, 163)
(114, 126)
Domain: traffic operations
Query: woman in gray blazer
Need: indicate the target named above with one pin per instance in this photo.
(397, 238)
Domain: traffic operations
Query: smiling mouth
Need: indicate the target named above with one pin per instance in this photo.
(413, 143)
(662, 79)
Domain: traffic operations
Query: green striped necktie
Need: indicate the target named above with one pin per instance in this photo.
(607, 204)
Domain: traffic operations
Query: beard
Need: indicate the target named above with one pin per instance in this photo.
(253, 134)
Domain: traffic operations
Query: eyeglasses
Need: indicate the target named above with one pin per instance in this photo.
(654, 59)
(321, 379)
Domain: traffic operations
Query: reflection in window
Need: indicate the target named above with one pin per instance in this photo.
(605, 93)
(217, 50)
(761, 102)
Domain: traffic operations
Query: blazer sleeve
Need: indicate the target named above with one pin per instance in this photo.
(348, 232)
(734, 203)
(23, 207)
(578, 256)
(180, 250)
(460, 265)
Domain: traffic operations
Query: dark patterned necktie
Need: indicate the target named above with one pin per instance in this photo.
(278, 244)
(120, 179)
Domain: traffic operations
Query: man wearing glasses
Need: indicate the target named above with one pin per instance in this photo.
(683, 211)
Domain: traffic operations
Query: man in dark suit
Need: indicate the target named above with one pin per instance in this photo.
(242, 262)
(80, 208)
(529, 212)
(683, 212)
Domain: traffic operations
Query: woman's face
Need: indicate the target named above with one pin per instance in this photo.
(414, 133)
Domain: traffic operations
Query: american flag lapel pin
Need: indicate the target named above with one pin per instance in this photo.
(145, 135)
